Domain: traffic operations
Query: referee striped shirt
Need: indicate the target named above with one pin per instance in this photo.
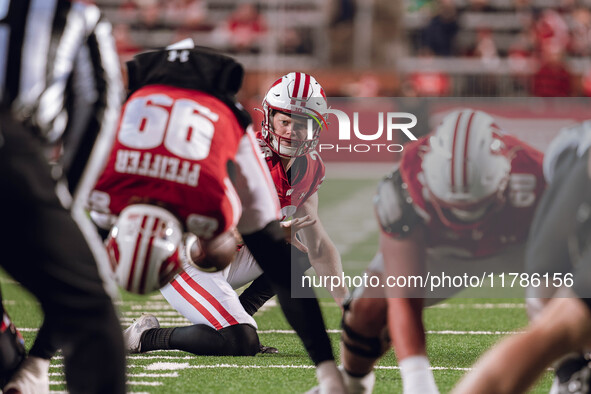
(59, 74)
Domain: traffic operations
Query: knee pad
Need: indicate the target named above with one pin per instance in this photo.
(12, 349)
(241, 340)
(360, 345)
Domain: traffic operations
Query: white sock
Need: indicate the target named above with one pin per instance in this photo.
(417, 378)
(329, 378)
(356, 385)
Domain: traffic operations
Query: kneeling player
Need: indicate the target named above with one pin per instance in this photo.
(208, 300)
(461, 200)
(183, 145)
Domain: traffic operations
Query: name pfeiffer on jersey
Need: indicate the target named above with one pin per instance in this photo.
(157, 166)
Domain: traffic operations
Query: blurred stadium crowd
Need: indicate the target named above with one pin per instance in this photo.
(501, 48)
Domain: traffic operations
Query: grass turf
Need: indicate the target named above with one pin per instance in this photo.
(291, 370)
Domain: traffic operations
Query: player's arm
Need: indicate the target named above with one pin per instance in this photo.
(260, 229)
(564, 326)
(402, 244)
(322, 253)
(404, 257)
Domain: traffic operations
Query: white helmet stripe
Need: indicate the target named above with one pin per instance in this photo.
(142, 251)
(454, 153)
(465, 154)
(459, 175)
(147, 266)
(306, 86)
(141, 254)
(131, 271)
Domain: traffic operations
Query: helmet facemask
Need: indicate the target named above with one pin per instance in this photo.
(305, 132)
(299, 98)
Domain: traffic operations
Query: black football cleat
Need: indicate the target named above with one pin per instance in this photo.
(268, 350)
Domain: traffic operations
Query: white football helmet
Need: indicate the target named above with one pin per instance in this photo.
(298, 95)
(143, 247)
(465, 169)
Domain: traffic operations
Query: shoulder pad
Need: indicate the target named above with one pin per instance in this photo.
(198, 68)
(394, 207)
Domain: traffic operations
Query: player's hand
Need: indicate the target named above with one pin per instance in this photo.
(237, 237)
(291, 227)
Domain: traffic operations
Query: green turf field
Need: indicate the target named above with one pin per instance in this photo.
(459, 330)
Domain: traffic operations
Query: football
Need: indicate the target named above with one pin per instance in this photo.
(215, 254)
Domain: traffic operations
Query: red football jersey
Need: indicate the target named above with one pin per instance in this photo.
(172, 149)
(508, 226)
(306, 175)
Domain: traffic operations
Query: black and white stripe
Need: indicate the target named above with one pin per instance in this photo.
(47, 40)
(60, 74)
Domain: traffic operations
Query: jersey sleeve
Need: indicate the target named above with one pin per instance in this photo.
(198, 68)
(394, 208)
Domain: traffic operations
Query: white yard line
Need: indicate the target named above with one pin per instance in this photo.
(164, 321)
(178, 366)
(167, 321)
(451, 332)
(155, 356)
(161, 312)
(59, 366)
(332, 304)
(153, 375)
(129, 382)
(434, 332)
(443, 332)
(478, 306)
(156, 299)
(143, 383)
(154, 307)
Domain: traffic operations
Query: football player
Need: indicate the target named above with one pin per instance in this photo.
(207, 299)
(460, 200)
(185, 148)
(559, 244)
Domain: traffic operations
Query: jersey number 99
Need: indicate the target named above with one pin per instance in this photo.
(184, 126)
